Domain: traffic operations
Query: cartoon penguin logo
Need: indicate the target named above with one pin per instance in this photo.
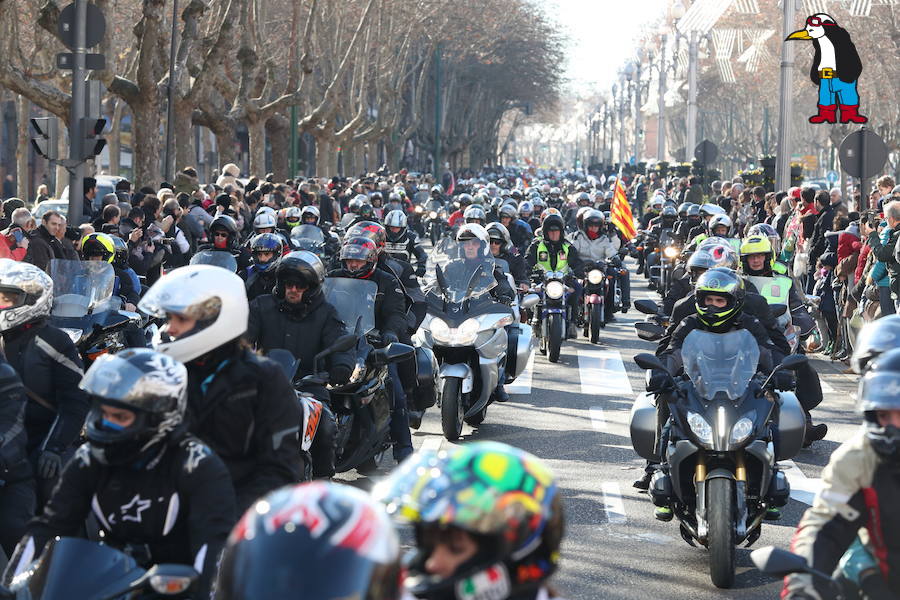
(835, 69)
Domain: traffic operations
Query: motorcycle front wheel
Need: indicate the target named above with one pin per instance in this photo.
(597, 318)
(555, 331)
(451, 409)
(720, 543)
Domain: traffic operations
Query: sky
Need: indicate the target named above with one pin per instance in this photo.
(603, 34)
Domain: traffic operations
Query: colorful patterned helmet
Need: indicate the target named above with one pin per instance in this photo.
(505, 498)
(98, 244)
(26, 292)
(757, 244)
(372, 230)
(266, 243)
(719, 282)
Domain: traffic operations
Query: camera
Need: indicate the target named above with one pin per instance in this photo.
(73, 233)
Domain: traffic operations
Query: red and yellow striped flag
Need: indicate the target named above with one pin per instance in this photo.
(620, 214)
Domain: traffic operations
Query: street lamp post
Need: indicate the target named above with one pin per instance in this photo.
(638, 121)
(623, 102)
(693, 59)
(785, 104)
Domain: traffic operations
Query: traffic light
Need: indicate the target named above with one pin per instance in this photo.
(93, 144)
(46, 142)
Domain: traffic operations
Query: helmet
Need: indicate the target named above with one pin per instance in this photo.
(213, 296)
(300, 266)
(496, 203)
(120, 260)
(372, 230)
(376, 196)
(475, 214)
(719, 282)
(583, 197)
(593, 217)
(708, 210)
(98, 244)
(395, 218)
(699, 262)
(229, 226)
(879, 390)
(724, 255)
(310, 215)
(348, 546)
(437, 188)
(757, 244)
(693, 210)
(538, 203)
(27, 292)
(293, 216)
(683, 209)
(669, 213)
(526, 208)
(467, 200)
(874, 338)
(357, 202)
(553, 223)
(719, 221)
(266, 242)
(550, 211)
(151, 385)
(471, 231)
(265, 220)
(366, 211)
(497, 232)
(766, 230)
(359, 248)
(396, 196)
(656, 203)
(504, 497)
(508, 210)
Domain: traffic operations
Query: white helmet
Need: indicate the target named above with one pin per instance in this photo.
(29, 291)
(265, 220)
(395, 218)
(719, 220)
(212, 295)
(309, 210)
(267, 209)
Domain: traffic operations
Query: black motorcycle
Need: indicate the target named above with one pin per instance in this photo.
(727, 428)
(76, 568)
(434, 216)
(85, 308)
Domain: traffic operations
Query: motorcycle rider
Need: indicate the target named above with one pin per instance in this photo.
(403, 244)
(266, 249)
(686, 224)
(502, 248)
(239, 403)
(102, 247)
(17, 495)
(553, 253)
(50, 368)
(226, 238)
(707, 212)
(480, 531)
(858, 487)
(465, 201)
(526, 213)
(475, 214)
(292, 218)
(595, 242)
(154, 489)
(519, 231)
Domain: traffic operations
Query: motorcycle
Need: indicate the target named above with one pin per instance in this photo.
(86, 310)
(435, 220)
(668, 251)
(216, 258)
(473, 337)
(551, 313)
(727, 428)
(601, 276)
(61, 574)
(654, 326)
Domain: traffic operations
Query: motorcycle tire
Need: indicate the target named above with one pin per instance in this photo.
(597, 323)
(478, 418)
(720, 542)
(555, 331)
(451, 409)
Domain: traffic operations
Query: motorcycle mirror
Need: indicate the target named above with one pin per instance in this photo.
(777, 562)
(648, 307)
(646, 360)
(530, 301)
(792, 362)
(168, 579)
(649, 331)
(394, 352)
(778, 309)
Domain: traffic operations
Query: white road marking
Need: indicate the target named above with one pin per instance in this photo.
(603, 372)
(826, 387)
(432, 442)
(522, 384)
(803, 488)
(598, 420)
(612, 503)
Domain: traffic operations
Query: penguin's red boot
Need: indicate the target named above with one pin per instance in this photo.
(827, 114)
(850, 114)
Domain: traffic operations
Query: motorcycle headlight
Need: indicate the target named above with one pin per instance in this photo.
(419, 209)
(595, 276)
(700, 427)
(463, 335)
(439, 330)
(432, 215)
(670, 252)
(74, 334)
(555, 290)
(743, 428)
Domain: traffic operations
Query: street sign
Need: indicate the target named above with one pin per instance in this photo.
(863, 153)
(95, 26)
(92, 62)
(706, 152)
(832, 176)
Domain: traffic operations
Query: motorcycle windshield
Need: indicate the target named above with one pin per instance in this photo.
(354, 301)
(60, 572)
(460, 271)
(720, 362)
(308, 232)
(216, 258)
(80, 286)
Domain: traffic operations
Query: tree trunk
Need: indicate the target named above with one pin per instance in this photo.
(256, 131)
(146, 147)
(62, 149)
(326, 158)
(115, 139)
(23, 146)
(185, 153)
(225, 145)
(280, 139)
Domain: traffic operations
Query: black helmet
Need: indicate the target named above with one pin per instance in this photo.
(874, 338)
(120, 260)
(303, 267)
(553, 223)
(323, 540)
(669, 212)
(151, 385)
(879, 390)
(719, 282)
(229, 226)
(359, 248)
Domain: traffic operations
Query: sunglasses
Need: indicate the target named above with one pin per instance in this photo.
(817, 22)
(220, 234)
(295, 284)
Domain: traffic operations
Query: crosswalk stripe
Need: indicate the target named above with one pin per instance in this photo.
(522, 384)
(432, 442)
(612, 503)
(803, 488)
(827, 388)
(598, 420)
(603, 372)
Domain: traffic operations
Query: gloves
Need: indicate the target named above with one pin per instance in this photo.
(48, 464)
(420, 270)
(340, 374)
(389, 337)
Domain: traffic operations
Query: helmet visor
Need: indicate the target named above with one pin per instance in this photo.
(111, 378)
(11, 297)
(879, 391)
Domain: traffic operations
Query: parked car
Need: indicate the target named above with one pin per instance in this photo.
(106, 184)
(60, 206)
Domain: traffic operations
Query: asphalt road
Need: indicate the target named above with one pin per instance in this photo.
(574, 415)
